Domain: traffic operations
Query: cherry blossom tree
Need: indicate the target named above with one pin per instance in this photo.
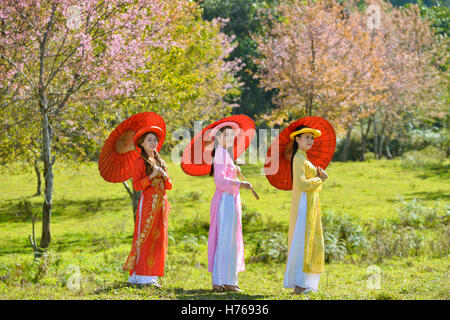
(58, 51)
(412, 80)
(322, 60)
(369, 65)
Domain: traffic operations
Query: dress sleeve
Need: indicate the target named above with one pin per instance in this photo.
(220, 179)
(140, 179)
(168, 184)
(299, 174)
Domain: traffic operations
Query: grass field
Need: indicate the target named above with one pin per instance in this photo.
(92, 225)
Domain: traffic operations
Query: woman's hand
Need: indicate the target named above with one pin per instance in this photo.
(161, 172)
(155, 171)
(164, 174)
(322, 174)
(245, 185)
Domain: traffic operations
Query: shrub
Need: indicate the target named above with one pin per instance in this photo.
(428, 158)
(422, 138)
(415, 231)
(369, 156)
(191, 242)
(415, 215)
(270, 248)
(342, 235)
(354, 151)
(439, 246)
(334, 248)
(389, 242)
(28, 271)
(252, 220)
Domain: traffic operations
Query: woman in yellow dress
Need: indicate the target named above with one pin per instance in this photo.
(306, 246)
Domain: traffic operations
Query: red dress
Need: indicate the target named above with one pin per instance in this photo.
(149, 248)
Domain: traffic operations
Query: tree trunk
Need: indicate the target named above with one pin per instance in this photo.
(48, 160)
(344, 155)
(39, 180)
(380, 147)
(135, 199)
(364, 137)
(382, 138)
(363, 141)
(375, 137)
(47, 133)
(135, 196)
(388, 151)
(388, 140)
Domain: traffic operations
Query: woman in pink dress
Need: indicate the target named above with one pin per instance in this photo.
(225, 243)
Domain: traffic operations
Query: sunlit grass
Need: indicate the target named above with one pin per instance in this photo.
(92, 226)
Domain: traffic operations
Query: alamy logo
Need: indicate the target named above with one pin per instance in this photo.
(73, 16)
(374, 17)
(374, 277)
(201, 151)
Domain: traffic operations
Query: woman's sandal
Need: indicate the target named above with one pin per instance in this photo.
(300, 290)
(149, 284)
(217, 288)
(232, 288)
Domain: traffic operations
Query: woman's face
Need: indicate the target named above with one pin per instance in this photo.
(226, 138)
(305, 141)
(150, 143)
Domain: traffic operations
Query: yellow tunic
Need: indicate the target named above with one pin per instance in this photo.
(304, 176)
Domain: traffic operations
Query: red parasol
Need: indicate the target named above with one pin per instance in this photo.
(196, 159)
(119, 151)
(320, 153)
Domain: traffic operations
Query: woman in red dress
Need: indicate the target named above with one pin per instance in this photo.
(146, 259)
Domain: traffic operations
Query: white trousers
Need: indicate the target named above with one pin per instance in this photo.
(137, 279)
(225, 256)
(294, 275)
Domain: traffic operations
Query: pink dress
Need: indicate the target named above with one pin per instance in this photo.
(225, 242)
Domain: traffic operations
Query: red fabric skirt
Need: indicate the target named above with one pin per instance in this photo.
(149, 249)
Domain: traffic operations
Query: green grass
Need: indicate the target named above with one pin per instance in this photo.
(92, 225)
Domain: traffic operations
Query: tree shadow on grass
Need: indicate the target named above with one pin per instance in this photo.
(422, 195)
(436, 170)
(90, 242)
(13, 247)
(70, 241)
(21, 209)
(208, 294)
(432, 195)
(180, 293)
(111, 287)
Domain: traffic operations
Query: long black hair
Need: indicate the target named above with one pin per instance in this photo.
(295, 147)
(157, 160)
(213, 152)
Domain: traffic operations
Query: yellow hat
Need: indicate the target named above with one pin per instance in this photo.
(316, 133)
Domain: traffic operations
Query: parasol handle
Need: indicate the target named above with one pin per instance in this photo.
(251, 189)
(146, 160)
